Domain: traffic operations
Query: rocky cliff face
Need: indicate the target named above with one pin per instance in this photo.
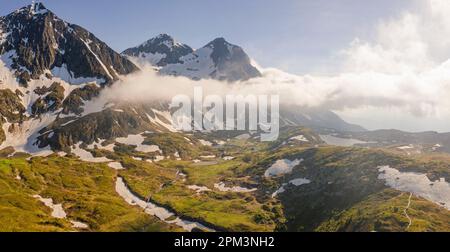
(231, 62)
(34, 41)
(11, 107)
(50, 99)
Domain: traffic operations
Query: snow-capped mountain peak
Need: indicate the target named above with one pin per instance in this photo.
(222, 50)
(158, 51)
(218, 59)
(36, 9)
(34, 41)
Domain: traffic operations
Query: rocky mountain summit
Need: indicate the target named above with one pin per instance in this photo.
(34, 42)
(160, 51)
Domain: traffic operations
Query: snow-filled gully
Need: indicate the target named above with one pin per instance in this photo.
(59, 213)
(149, 208)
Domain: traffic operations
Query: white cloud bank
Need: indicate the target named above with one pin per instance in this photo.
(409, 61)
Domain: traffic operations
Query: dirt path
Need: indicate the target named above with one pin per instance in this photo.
(406, 213)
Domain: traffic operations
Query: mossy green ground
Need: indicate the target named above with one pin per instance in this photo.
(86, 190)
(345, 193)
(223, 210)
(385, 212)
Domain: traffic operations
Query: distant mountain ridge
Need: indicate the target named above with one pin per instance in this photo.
(218, 59)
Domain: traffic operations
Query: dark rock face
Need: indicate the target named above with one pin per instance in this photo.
(41, 41)
(51, 99)
(162, 44)
(11, 106)
(231, 61)
(87, 129)
(75, 100)
(218, 60)
(11, 109)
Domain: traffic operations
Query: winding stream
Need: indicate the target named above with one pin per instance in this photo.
(154, 210)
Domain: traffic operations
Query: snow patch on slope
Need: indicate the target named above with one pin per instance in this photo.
(57, 209)
(418, 184)
(281, 167)
(116, 166)
(295, 182)
(137, 140)
(197, 65)
(300, 138)
(223, 188)
(23, 137)
(87, 156)
(64, 74)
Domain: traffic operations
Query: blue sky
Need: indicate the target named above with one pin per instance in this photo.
(299, 36)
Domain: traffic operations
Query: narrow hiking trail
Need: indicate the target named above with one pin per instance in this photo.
(406, 209)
